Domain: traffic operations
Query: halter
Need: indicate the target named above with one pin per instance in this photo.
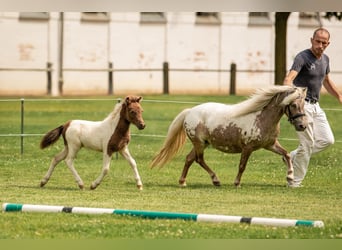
(292, 117)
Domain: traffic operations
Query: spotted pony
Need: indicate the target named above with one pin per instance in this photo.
(241, 128)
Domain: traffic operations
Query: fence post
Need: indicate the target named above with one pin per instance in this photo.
(116, 153)
(110, 78)
(49, 77)
(60, 52)
(232, 89)
(165, 78)
(22, 126)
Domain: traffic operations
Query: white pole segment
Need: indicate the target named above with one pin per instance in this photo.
(218, 218)
(41, 208)
(88, 210)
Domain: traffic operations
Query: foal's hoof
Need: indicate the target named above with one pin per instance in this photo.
(42, 184)
(93, 185)
(81, 186)
(140, 187)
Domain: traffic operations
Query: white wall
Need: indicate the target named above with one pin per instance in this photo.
(129, 44)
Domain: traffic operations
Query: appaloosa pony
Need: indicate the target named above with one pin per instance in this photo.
(240, 128)
(107, 136)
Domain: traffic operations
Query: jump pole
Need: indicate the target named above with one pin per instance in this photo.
(13, 207)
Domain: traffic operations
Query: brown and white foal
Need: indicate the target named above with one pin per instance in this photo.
(107, 136)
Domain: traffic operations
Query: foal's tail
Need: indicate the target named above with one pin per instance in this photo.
(51, 137)
(174, 142)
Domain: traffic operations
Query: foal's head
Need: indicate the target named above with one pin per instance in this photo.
(294, 109)
(134, 111)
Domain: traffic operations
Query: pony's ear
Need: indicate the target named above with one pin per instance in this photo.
(305, 89)
(127, 100)
(301, 88)
(130, 99)
(291, 95)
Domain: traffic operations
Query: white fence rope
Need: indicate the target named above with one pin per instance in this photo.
(119, 99)
(141, 135)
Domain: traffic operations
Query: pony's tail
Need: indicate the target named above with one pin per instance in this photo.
(51, 137)
(174, 142)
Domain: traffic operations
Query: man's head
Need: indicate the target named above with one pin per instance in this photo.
(319, 41)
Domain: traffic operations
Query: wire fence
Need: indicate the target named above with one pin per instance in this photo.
(22, 101)
(165, 70)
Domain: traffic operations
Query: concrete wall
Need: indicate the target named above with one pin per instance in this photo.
(130, 44)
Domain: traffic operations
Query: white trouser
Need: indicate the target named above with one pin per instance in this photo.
(316, 137)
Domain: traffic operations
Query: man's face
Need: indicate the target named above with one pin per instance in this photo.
(319, 43)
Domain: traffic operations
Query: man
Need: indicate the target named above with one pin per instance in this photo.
(311, 69)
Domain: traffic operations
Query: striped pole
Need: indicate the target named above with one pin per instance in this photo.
(12, 207)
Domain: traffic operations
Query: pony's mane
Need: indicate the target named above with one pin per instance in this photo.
(258, 100)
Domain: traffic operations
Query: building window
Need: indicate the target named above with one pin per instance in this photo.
(152, 17)
(208, 18)
(95, 17)
(309, 19)
(259, 19)
(34, 16)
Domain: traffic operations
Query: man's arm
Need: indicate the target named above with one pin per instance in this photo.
(331, 88)
(290, 77)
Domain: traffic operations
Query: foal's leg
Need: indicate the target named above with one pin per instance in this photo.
(70, 163)
(277, 148)
(126, 154)
(104, 172)
(242, 166)
(56, 159)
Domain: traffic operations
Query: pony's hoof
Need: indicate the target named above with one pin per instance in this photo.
(42, 184)
(81, 186)
(140, 187)
(217, 183)
(289, 181)
(182, 183)
(237, 184)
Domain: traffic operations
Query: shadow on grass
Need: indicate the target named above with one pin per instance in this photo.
(228, 186)
(37, 187)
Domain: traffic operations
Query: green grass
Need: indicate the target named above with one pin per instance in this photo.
(263, 192)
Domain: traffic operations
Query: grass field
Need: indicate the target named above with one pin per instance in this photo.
(263, 192)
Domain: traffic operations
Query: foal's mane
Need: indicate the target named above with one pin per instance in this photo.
(258, 100)
(115, 114)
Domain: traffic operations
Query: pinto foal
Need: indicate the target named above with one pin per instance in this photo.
(107, 136)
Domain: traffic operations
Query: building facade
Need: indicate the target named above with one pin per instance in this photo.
(96, 53)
